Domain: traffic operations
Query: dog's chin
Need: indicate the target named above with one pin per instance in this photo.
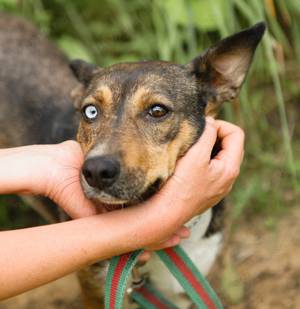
(107, 202)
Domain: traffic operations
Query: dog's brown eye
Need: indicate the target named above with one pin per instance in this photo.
(158, 111)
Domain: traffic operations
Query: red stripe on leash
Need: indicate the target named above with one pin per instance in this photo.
(116, 278)
(151, 298)
(190, 277)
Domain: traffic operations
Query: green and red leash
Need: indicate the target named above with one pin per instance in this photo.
(181, 267)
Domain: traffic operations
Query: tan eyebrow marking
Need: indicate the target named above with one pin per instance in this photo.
(104, 96)
(143, 96)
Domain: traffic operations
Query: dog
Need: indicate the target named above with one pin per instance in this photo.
(136, 121)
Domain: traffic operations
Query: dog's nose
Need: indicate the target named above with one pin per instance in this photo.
(101, 172)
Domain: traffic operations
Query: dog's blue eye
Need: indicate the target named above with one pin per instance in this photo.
(90, 112)
(158, 111)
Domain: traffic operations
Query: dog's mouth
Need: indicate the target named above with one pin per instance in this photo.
(152, 189)
(106, 203)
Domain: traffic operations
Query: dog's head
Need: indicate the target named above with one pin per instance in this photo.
(139, 118)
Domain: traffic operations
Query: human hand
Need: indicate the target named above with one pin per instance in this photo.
(207, 180)
(200, 182)
(48, 170)
(62, 184)
(221, 171)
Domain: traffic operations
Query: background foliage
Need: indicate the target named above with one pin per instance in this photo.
(110, 31)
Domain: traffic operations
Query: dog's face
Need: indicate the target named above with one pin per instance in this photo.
(139, 118)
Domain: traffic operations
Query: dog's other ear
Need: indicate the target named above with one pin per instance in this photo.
(83, 71)
(222, 69)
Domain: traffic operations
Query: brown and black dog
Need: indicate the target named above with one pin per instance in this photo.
(137, 119)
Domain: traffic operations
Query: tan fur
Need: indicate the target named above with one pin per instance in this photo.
(92, 281)
(180, 145)
(212, 109)
(143, 97)
(85, 137)
(103, 96)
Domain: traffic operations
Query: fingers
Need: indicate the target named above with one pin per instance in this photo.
(144, 257)
(174, 240)
(171, 242)
(65, 188)
(79, 210)
(183, 232)
(201, 151)
(227, 162)
(232, 143)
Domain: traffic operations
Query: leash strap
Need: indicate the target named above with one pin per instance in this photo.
(178, 263)
(149, 298)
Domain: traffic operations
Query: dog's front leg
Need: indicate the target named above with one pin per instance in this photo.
(92, 282)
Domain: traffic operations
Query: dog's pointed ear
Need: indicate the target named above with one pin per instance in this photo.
(83, 71)
(222, 69)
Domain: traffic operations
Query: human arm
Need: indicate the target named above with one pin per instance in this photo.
(49, 170)
(34, 256)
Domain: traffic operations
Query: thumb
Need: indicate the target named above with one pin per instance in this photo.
(76, 205)
(202, 149)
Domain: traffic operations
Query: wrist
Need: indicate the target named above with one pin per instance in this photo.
(24, 169)
(165, 214)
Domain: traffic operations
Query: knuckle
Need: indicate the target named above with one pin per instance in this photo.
(235, 173)
(73, 145)
(232, 173)
(210, 124)
(222, 192)
(217, 168)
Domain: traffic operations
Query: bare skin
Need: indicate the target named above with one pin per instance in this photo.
(34, 256)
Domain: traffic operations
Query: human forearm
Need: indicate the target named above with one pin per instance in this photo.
(23, 169)
(35, 256)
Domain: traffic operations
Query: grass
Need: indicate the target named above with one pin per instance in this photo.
(178, 30)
